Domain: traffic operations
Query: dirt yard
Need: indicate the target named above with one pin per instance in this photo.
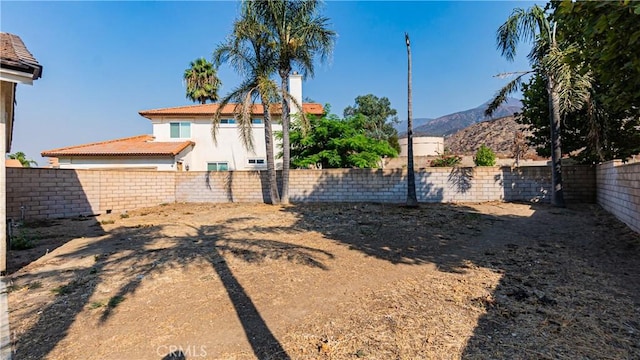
(328, 281)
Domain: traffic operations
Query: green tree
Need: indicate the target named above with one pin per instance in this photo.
(247, 50)
(380, 117)
(331, 142)
(567, 88)
(22, 157)
(604, 41)
(202, 81)
(298, 34)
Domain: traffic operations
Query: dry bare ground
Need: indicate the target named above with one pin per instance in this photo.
(329, 281)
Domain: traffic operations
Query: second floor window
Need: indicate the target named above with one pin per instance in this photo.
(227, 121)
(180, 130)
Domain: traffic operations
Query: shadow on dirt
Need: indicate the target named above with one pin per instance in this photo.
(570, 283)
(138, 252)
(570, 277)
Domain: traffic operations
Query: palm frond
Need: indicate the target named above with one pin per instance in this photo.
(574, 87)
(501, 96)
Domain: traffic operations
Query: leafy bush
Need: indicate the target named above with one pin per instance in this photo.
(446, 159)
(485, 157)
(22, 241)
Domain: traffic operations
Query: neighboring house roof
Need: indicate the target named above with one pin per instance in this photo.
(141, 145)
(15, 56)
(210, 110)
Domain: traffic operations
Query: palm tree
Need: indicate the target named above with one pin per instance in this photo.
(298, 33)
(248, 52)
(22, 157)
(412, 200)
(567, 89)
(202, 81)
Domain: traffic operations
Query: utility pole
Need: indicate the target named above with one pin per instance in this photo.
(412, 199)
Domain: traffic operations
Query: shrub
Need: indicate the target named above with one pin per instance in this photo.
(21, 241)
(446, 159)
(485, 157)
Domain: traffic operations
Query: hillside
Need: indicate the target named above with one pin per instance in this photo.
(449, 124)
(497, 134)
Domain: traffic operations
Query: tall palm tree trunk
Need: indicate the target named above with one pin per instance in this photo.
(274, 197)
(557, 195)
(286, 150)
(412, 200)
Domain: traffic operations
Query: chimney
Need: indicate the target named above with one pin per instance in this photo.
(295, 89)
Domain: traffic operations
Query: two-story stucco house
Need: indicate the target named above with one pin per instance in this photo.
(182, 141)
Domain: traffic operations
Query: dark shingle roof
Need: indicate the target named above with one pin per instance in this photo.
(15, 55)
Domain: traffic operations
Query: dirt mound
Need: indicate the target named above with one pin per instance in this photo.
(497, 134)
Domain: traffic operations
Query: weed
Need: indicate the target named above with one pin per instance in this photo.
(22, 242)
(13, 287)
(34, 285)
(446, 159)
(93, 271)
(96, 304)
(107, 222)
(115, 301)
(62, 290)
(124, 215)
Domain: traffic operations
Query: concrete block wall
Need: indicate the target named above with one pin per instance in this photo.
(618, 191)
(42, 193)
(232, 186)
(63, 193)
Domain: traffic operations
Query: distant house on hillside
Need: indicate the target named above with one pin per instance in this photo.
(182, 141)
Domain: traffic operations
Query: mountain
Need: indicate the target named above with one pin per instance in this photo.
(402, 125)
(449, 124)
(497, 134)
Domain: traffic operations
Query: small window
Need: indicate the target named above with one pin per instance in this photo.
(227, 121)
(218, 166)
(180, 130)
(256, 121)
(256, 162)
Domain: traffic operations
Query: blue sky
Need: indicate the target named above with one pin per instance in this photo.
(105, 61)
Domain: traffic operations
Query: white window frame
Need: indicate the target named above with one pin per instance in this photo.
(218, 163)
(180, 134)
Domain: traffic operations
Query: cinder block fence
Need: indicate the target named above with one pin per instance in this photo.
(618, 191)
(40, 193)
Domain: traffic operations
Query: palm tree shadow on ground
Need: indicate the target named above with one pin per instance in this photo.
(558, 268)
(136, 254)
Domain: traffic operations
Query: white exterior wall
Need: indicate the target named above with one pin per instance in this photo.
(295, 89)
(228, 149)
(114, 162)
(423, 145)
(102, 162)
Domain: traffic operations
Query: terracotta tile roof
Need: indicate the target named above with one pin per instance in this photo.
(210, 109)
(141, 145)
(14, 55)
